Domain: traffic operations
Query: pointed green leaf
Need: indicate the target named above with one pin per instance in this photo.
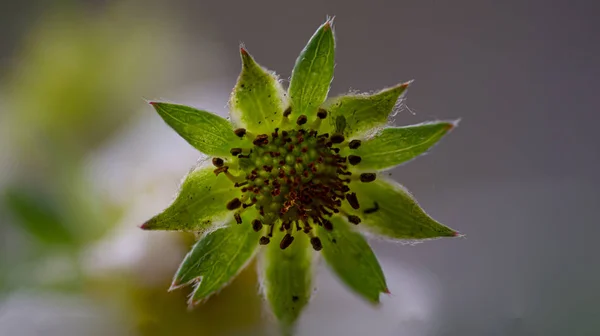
(313, 73)
(395, 145)
(351, 258)
(258, 99)
(387, 209)
(202, 200)
(207, 132)
(361, 113)
(287, 278)
(217, 258)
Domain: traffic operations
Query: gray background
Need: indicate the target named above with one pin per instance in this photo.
(518, 177)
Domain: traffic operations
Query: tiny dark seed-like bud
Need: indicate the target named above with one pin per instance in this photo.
(354, 144)
(316, 243)
(337, 138)
(240, 132)
(345, 188)
(354, 219)
(301, 120)
(238, 218)
(287, 111)
(217, 162)
(235, 151)
(327, 225)
(322, 113)
(256, 225)
(234, 204)
(261, 139)
(367, 177)
(351, 198)
(264, 240)
(354, 159)
(286, 241)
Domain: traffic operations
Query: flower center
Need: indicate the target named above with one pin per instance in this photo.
(295, 177)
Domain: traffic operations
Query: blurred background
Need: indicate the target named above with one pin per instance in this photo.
(84, 160)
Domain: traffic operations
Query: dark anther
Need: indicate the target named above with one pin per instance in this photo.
(337, 138)
(235, 151)
(345, 188)
(221, 170)
(301, 120)
(354, 219)
(256, 225)
(242, 156)
(287, 111)
(322, 113)
(268, 168)
(264, 240)
(354, 144)
(261, 139)
(275, 134)
(327, 225)
(316, 243)
(322, 136)
(240, 132)
(234, 204)
(351, 197)
(239, 184)
(367, 177)
(354, 159)
(238, 218)
(286, 241)
(217, 162)
(375, 208)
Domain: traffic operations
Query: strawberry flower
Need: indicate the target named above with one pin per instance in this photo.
(293, 176)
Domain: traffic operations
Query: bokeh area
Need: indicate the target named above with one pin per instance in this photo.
(84, 160)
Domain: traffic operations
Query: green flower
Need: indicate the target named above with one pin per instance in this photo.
(293, 175)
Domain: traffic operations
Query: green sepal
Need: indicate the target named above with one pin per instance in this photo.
(357, 115)
(207, 132)
(387, 209)
(258, 99)
(287, 278)
(313, 73)
(217, 258)
(351, 258)
(396, 145)
(202, 201)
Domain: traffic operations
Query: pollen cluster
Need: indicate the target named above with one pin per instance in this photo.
(295, 177)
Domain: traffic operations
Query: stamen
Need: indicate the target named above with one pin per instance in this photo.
(264, 240)
(316, 243)
(322, 113)
(240, 132)
(287, 112)
(286, 241)
(354, 159)
(217, 162)
(354, 144)
(354, 219)
(234, 204)
(353, 200)
(257, 225)
(337, 138)
(261, 140)
(220, 170)
(235, 151)
(367, 177)
(238, 218)
(301, 120)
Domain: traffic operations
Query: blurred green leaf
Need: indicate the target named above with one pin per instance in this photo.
(39, 216)
(313, 73)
